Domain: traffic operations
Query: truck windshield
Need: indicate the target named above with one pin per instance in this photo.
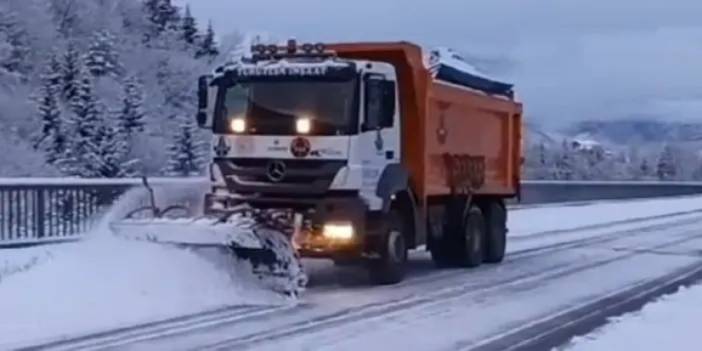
(273, 107)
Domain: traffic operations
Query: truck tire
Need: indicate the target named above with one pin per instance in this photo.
(496, 232)
(390, 267)
(443, 249)
(471, 244)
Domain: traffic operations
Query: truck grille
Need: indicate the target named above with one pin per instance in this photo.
(279, 177)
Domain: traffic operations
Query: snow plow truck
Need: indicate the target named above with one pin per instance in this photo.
(359, 152)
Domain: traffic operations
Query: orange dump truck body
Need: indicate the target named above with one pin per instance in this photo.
(454, 139)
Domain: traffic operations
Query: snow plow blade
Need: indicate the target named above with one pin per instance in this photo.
(240, 234)
(190, 232)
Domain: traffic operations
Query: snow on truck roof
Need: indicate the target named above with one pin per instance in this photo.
(447, 65)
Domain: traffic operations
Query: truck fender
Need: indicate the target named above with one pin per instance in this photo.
(392, 181)
(393, 185)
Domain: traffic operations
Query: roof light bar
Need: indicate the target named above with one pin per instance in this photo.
(291, 49)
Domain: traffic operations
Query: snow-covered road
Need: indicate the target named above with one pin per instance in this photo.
(567, 265)
(669, 323)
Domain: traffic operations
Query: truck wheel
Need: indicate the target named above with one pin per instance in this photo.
(472, 242)
(496, 232)
(390, 267)
(443, 251)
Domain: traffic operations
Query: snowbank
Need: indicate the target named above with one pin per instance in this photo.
(105, 282)
(671, 323)
(522, 222)
(21, 260)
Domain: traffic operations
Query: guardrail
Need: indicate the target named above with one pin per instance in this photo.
(539, 192)
(50, 209)
(53, 209)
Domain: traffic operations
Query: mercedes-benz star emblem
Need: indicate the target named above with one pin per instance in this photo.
(276, 171)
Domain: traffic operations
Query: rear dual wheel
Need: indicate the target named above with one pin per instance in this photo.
(471, 243)
(496, 231)
(463, 241)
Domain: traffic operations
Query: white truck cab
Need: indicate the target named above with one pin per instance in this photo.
(300, 130)
(286, 117)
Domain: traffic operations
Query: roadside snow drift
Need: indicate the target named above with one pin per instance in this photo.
(671, 323)
(105, 282)
(21, 260)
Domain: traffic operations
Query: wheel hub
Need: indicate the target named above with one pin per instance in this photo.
(477, 240)
(396, 247)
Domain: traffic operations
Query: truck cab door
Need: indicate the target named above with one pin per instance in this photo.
(379, 140)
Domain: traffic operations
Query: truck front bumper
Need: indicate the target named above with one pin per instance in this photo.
(321, 218)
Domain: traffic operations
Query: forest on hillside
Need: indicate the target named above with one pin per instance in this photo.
(101, 88)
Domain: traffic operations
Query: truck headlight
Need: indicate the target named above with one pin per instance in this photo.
(338, 231)
(238, 125)
(303, 125)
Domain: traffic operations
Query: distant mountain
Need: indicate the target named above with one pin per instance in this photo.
(637, 131)
(535, 135)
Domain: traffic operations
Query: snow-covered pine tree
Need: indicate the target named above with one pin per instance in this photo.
(86, 108)
(16, 44)
(98, 148)
(131, 116)
(208, 47)
(667, 164)
(151, 9)
(162, 15)
(185, 154)
(85, 122)
(5, 50)
(102, 59)
(71, 73)
(542, 155)
(189, 29)
(65, 15)
(111, 157)
(51, 136)
(644, 169)
(542, 163)
(564, 163)
(170, 15)
(53, 75)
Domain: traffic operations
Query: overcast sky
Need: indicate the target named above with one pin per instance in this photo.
(570, 59)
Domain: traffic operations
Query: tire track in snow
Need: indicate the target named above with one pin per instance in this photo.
(602, 225)
(558, 328)
(165, 328)
(566, 244)
(233, 315)
(383, 310)
(525, 254)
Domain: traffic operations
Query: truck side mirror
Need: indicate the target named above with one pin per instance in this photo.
(203, 87)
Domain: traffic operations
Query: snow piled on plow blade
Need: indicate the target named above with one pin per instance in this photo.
(196, 232)
(268, 254)
(105, 282)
